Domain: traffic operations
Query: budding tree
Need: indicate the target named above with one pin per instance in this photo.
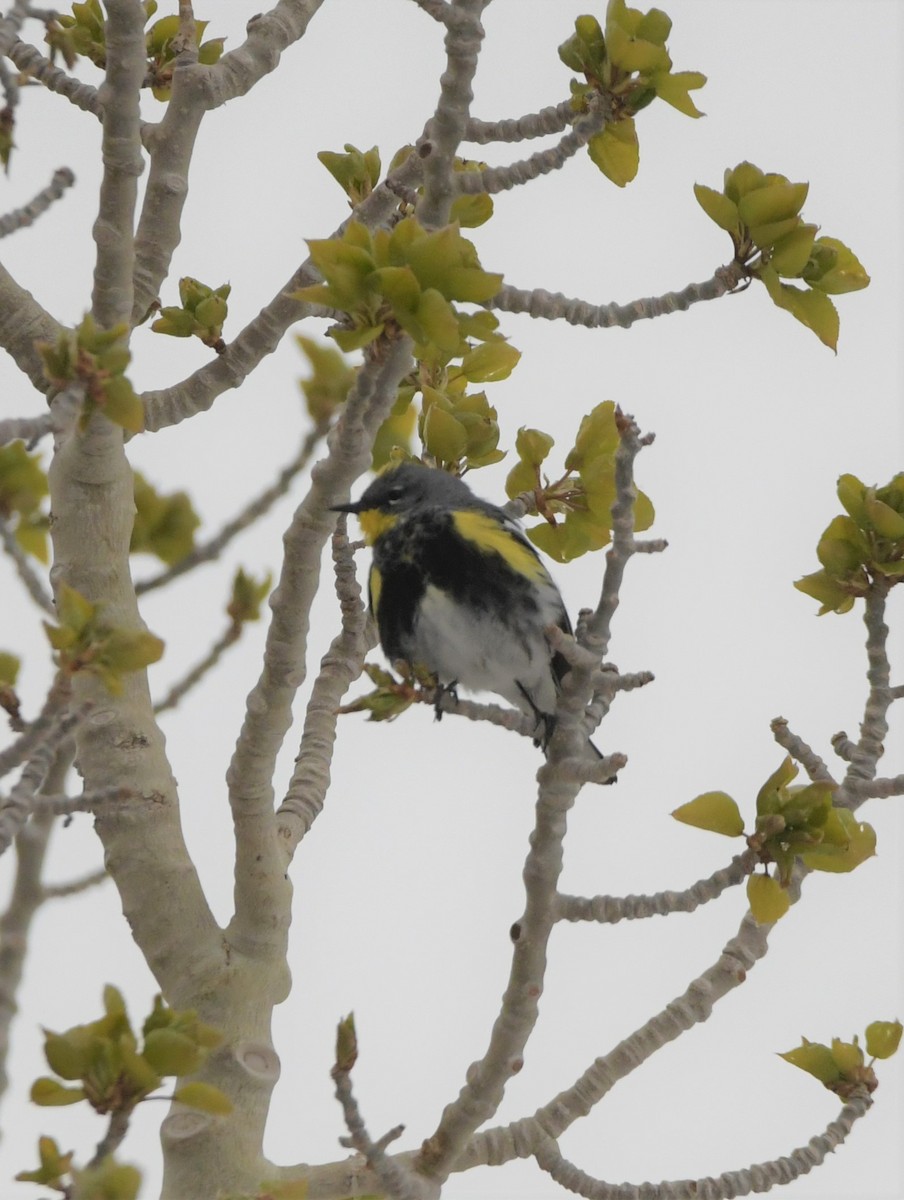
(150, 393)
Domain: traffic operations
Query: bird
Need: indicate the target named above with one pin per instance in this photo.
(456, 588)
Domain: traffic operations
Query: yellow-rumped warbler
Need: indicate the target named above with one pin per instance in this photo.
(457, 588)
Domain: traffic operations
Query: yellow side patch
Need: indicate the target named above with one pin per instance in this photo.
(488, 535)
(375, 583)
(374, 523)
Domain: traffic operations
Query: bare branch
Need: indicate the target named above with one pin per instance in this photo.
(21, 802)
(32, 62)
(437, 9)
(112, 1139)
(609, 910)
(260, 865)
(553, 306)
(228, 638)
(23, 322)
(759, 1177)
(446, 128)
(553, 119)
(56, 700)
(123, 163)
(25, 429)
(269, 34)
(20, 218)
(869, 789)
(213, 548)
(11, 24)
(502, 179)
(61, 891)
(61, 805)
(800, 751)
(397, 1181)
(874, 726)
(339, 668)
(28, 575)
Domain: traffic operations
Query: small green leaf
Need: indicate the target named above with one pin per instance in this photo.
(715, 811)
(205, 1097)
(718, 207)
(48, 1093)
(346, 1043)
(170, 1052)
(768, 900)
(616, 151)
(815, 1059)
(883, 1038)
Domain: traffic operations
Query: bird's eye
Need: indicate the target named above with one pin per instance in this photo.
(394, 495)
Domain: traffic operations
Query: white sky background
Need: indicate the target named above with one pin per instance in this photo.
(408, 883)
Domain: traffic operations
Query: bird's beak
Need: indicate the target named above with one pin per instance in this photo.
(346, 508)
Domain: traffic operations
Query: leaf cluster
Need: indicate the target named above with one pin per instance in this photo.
(842, 1067)
(326, 390)
(356, 171)
(201, 312)
(107, 1180)
(391, 697)
(793, 823)
(23, 486)
(577, 507)
(629, 66)
(83, 641)
(115, 1072)
(248, 594)
(96, 358)
(862, 546)
(164, 525)
(82, 33)
(762, 213)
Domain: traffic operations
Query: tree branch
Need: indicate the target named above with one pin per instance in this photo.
(228, 638)
(502, 179)
(553, 306)
(263, 334)
(553, 119)
(25, 429)
(800, 751)
(609, 910)
(26, 572)
(32, 62)
(759, 1177)
(20, 218)
(23, 322)
(269, 35)
(260, 923)
(123, 162)
(446, 128)
(262, 504)
(874, 726)
(339, 668)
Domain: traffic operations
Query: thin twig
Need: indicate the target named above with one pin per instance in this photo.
(228, 638)
(800, 751)
(553, 306)
(262, 504)
(32, 62)
(110, 1142)
(609, 910)
(20, 218)
(26, 572)
(60, 891)
(553, 119)
(25, 429)
(759, 1177)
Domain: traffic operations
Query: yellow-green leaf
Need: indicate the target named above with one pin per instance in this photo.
(718, 207)
(616, 152)
(714, 811)
(768, 900)
(883, 1038)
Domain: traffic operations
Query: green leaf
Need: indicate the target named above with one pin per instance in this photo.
(718, 207)
(743, 178)
(9, 669)
(846, 844)
(883, 1038)
(489, 362)
(832, 595)
(673, 88)
(48, 1093)
(772, 202)
(616, 151)
(346, 1043)
(444, 437)
(170, 1052)
(204, 1097)
(768, 900)
(845, 275)
(791, 253)
(815, 1059)
(714, 811)
(813, 309)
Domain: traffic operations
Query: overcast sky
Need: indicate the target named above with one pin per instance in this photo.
(407, 886)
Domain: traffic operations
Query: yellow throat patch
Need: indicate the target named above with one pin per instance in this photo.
(374, 523)
(485, 532)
